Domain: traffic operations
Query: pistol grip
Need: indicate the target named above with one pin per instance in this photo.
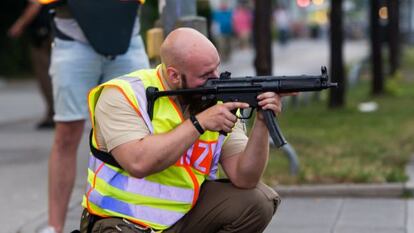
(234, 111)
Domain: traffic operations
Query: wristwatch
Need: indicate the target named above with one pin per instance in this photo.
(196, 124)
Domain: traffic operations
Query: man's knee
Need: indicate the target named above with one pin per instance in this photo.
(259, 203)
(249, 210)
(267, 200)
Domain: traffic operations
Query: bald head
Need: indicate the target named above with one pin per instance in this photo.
(184, 46)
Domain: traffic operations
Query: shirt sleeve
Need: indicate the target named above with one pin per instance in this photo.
(236, 142)
(116, 122)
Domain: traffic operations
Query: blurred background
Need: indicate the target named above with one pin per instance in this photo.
(359, 132)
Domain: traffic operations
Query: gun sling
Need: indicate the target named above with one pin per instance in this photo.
(105, 157)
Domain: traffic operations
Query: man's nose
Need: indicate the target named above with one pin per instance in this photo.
(216, 74)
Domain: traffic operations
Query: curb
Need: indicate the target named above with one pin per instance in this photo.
(409, 169)
(386, 190)
(343, 190)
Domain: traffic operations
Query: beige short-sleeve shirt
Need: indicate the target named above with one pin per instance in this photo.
(116, 123)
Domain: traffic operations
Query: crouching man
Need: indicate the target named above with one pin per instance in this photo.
(160, 174)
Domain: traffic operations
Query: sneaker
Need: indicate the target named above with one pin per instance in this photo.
(47, 229)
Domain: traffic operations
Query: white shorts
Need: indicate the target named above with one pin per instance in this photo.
(76, 68)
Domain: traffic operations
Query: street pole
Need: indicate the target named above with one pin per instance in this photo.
(262, 37)
(376, 54)
(182, 13)
(337, 95)
(393, 29)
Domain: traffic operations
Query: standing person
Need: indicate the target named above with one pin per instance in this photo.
(135, 186)
(222, 29)
(282, 24)
(94, 42)
(243, 24)
(35, 20)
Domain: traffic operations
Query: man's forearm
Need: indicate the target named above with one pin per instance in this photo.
(253, 160)
(155, 153)
(29, 14)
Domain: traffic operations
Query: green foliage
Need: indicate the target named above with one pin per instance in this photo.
(392, 84)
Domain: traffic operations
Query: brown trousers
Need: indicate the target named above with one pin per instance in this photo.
(221, 208)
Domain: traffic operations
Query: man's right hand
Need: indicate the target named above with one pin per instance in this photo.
(219, 117)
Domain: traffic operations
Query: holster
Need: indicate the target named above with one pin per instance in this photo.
(87, 221)
(111, 224)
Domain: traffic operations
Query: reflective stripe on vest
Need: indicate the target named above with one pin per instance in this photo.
(161, 199)
(141, 196)
(140, 186)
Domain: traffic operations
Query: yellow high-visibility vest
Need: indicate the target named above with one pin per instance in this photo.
(161, 199)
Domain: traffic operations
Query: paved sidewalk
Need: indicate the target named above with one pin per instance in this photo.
(344, 215)
(24, 154)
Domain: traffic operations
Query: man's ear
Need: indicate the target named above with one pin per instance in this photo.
(173, 76)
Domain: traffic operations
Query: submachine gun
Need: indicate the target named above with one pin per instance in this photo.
(246, 89)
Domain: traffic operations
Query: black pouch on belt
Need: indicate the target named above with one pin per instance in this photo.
(94, 224)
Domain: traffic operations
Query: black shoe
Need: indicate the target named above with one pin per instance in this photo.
(45, 124)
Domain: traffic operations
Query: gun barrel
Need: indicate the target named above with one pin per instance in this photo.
(332, 85)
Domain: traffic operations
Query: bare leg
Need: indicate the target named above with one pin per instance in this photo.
(62, 170)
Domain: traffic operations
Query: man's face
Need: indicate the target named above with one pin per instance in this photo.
(194, 78)
(194, 102)
(198, 68)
